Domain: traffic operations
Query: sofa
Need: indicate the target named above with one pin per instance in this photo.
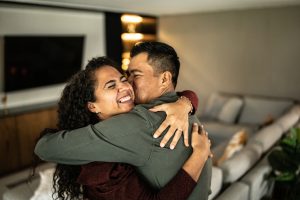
(240, 177)
(264, 119)
(25, 185)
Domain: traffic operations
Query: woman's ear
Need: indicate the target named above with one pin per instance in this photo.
(92, 107)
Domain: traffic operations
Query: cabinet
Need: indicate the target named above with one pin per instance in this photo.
(9, 148)
(18, 135)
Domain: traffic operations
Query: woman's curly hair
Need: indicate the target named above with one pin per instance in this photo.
(73, 113)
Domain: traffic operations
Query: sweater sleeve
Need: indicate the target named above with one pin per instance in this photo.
(192, 96)
(120, 181)
(179, 188)
(111, 140)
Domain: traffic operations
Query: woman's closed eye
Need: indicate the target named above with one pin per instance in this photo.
(110, 84)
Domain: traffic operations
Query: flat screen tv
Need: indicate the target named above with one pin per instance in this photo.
(33, 61)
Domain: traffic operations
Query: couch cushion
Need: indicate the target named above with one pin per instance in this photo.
(256, 179)
(44, 191)
(222, 132)
(258, 110)
(236, 144)
(230, 110)
(289, 119)
(17, 187)
(236, 191)
(241, 162)
(213, 106)
(268, 136)
(22, 191)
(216, 182)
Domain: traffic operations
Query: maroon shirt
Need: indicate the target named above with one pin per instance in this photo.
(116, 181)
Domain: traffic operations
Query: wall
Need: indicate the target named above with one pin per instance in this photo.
(49, 21)
(247, 51)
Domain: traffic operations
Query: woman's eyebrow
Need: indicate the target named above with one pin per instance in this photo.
(108, 82)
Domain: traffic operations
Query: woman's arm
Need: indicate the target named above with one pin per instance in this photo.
(201, 151)
(177, 118)
(124, 183)
(181, 186)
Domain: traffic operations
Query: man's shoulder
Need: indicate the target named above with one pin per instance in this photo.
(138, 120)
(137, 114)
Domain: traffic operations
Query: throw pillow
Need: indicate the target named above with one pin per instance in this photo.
(44, 190)
(230, 110)
(213, 106)
(236, 143)
(257, 110)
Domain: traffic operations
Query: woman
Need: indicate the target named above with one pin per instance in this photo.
(102, 87)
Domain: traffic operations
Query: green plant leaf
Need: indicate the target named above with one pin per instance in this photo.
(286, 176)
(281, 161)
(298, 136)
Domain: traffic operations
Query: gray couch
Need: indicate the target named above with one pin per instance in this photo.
(242, 176)
(17, 187)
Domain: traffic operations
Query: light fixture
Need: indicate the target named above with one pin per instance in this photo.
(131, 19)
(132, 36)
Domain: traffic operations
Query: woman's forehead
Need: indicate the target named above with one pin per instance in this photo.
(107, 72)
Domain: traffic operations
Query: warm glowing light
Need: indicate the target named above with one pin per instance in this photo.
(132, 36)
(131, 19)
(125, 61)
(126, 55)
(124, 67)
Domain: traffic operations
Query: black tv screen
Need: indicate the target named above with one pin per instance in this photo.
(33, 61)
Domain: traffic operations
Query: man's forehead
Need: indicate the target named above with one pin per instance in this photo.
(139, 65)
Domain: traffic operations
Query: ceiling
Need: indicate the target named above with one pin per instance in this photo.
(164, 7)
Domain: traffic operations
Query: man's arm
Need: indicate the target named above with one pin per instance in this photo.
(124, 138)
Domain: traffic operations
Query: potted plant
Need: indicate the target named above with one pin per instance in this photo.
(285, 163)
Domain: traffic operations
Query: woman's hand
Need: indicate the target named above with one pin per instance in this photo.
(201, 151)
(200, 141)
(177, 119)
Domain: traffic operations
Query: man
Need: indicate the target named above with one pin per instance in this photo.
(127, 138)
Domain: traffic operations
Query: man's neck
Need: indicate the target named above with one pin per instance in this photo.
(167, 90)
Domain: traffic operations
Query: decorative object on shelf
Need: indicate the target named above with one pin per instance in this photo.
(285, 163)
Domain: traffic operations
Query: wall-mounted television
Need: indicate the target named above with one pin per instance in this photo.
(34, 61)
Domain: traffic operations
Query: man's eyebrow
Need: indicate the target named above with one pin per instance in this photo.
(134, 70)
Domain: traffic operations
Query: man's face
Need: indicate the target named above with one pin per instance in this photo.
(144, 81)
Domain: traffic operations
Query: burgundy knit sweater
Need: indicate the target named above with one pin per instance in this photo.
(116, 181)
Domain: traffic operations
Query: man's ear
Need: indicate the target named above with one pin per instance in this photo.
(166, 78)
(91, 107)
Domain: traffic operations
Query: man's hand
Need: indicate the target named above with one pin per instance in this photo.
(177, 119)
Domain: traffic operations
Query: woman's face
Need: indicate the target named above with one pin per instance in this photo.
(114, 95)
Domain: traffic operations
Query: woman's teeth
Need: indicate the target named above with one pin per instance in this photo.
(123, 99)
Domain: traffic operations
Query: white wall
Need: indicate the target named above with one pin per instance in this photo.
(247, 52)
(49, 21)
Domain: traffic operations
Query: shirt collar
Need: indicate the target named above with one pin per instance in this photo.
(165, 98)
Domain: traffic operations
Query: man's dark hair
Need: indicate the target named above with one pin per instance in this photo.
(161, 56)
